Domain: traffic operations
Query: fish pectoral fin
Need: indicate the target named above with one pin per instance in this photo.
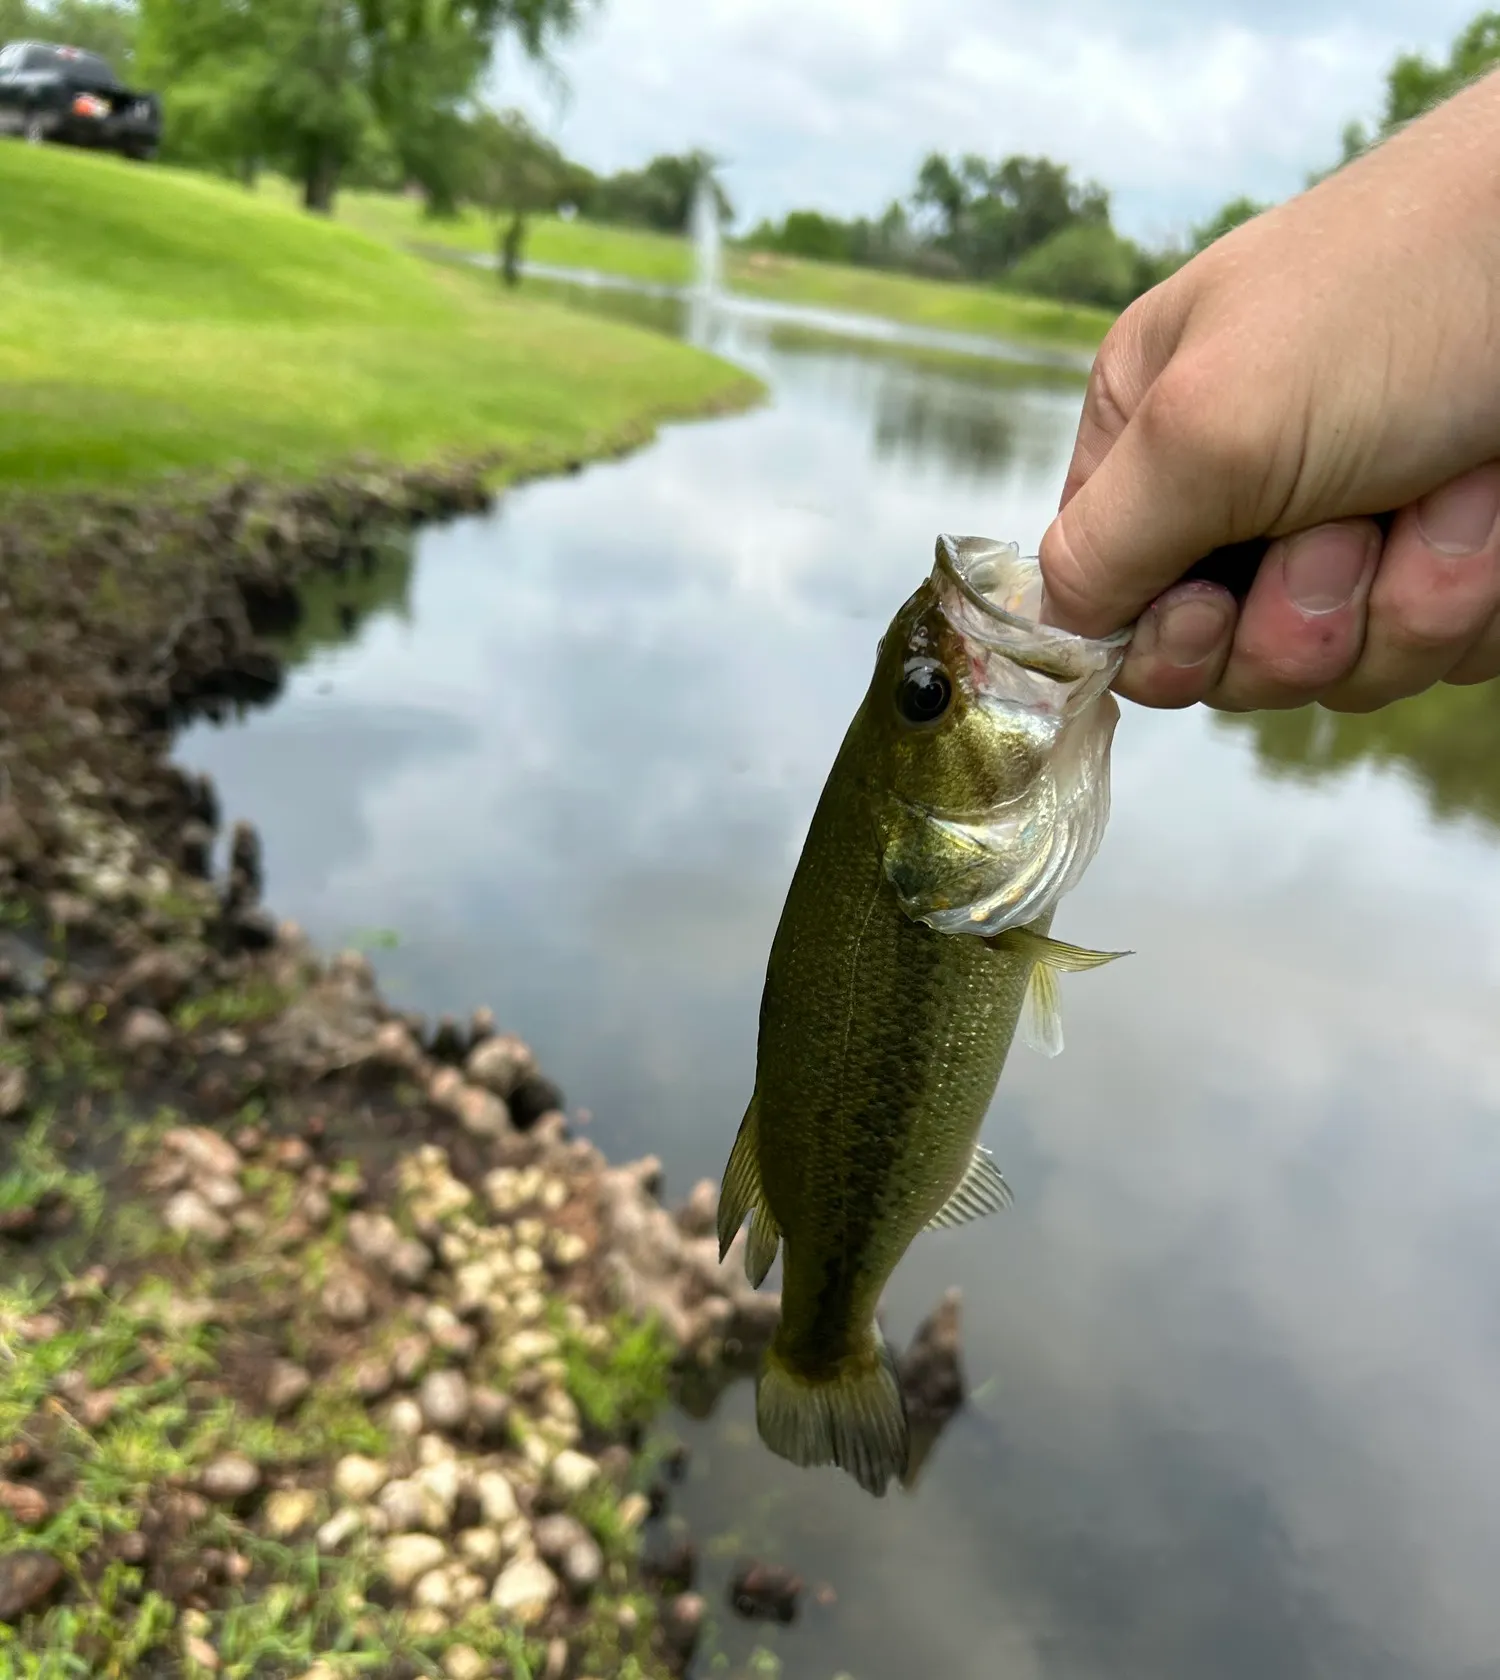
(1052, 953)
(741, 1194)
(982, 1190)
(1041, 1013)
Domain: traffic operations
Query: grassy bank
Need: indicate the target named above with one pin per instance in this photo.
(153, 320)
(656, 257)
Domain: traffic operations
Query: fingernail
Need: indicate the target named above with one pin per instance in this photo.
(1188, 630)
(1458, 518)
(1323, 567)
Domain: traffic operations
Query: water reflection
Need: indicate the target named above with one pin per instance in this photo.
(1233, 1358)
(1447, 741)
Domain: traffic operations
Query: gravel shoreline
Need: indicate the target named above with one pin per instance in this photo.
(325, 1347)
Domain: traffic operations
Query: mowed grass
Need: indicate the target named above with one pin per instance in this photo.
(639, 255)
(153, 321)
(925, 303)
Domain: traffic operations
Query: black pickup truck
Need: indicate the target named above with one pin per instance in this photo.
(48, 92)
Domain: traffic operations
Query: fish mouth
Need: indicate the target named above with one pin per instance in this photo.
(992, 596)
(984, 872)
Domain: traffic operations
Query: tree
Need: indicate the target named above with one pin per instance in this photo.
(1224, 220)
(508, 169)
(98, 26)
(315, 86)
(660, 195)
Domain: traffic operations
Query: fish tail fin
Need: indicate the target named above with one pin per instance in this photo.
(855, 1419)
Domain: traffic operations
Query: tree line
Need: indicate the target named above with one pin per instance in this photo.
(1024, 223)
(388, 94)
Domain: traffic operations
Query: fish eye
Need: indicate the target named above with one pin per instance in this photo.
(925, 693)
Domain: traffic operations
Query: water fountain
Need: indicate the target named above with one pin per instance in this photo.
(708, 262)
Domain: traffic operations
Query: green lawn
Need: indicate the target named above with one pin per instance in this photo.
(659, 257)
(926, 303)
(154, 320)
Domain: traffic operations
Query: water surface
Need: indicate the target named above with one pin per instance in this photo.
(1236, 1350)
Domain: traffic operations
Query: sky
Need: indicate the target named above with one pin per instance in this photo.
(1173, 105)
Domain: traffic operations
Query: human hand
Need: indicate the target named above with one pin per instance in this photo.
(1335, 358)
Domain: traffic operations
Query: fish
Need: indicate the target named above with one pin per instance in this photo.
(970, 793)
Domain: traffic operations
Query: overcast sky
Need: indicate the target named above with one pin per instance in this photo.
(1174, 105)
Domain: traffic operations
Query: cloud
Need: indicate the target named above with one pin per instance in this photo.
(1174, 107)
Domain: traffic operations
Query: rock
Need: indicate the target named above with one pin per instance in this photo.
(286, 1386)
(463, 1662)
(698, 1215)
(632, 1510)
(670, 1566)
(346, 1300)
(14, 1089)
(489, 1416)
(195, 849)
(223, 1195)
(408, 1557)
(447, 1041)
(524, 1591)
(571, 1472)
(500, 1063)
(765, 1592)
(376, 1239)
(497, 1498)
(188, 1215)
(408, 1357)
(480, 1548)
(25, 1505)
(682, 1622)
(407, 1508)
(27, 1580)
(405, 1418)
(248, 928)
(451, 1335)
(533, 1097)
(158, 979)
(480, 1112)
(199, 1653)
(444, 1399)
(932, 1382)
(931, 1369)
(340, 1529)
(527, 1347)
(567, 1545)
(358, 1479)
(204, 1150)
(434, 1591)
(230, 1478)
(289, 1511)
(246, 858)
(373, 1379)
(144, 1031)
(94, 1410)
(393, 1048)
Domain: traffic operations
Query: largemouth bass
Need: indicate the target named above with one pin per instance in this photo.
(970, 793)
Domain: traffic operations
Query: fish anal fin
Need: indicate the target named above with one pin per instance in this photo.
(982, 1190)
(742, 1194)
(1053, 953)
(1041, 1013)
(855, 1419)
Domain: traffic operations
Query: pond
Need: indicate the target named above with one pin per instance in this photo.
(1235, 1353)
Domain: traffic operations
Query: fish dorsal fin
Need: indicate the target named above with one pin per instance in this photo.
(982, 1190)
(1041, 1013)
(742, 1194)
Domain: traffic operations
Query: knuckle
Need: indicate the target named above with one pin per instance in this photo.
(1188, 417)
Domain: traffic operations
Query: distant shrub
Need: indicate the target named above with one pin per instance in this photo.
(1086, 263)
